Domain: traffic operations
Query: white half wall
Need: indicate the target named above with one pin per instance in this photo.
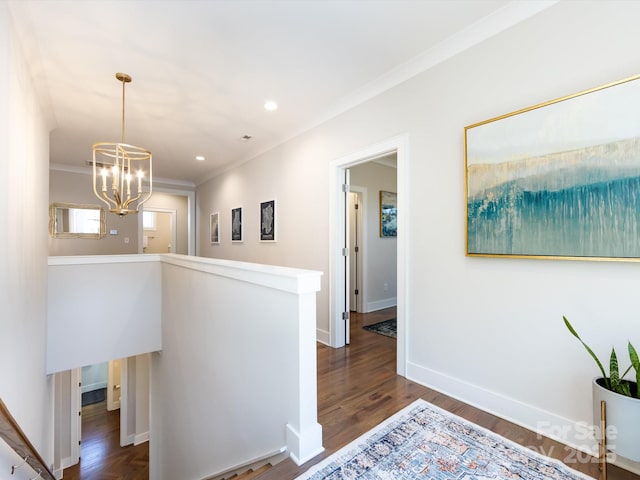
(101, 308)
(236, 377)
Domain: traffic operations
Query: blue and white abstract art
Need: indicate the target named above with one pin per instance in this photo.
(561, 179)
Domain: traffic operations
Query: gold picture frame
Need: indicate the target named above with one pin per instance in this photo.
(557, 180)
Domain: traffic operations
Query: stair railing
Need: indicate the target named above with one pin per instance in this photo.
(13, 435)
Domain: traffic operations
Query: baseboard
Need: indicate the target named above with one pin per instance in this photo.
(577, 435)
(303, 446)
(622, 462)
(322, 336)
(67, 462)
(93, 386)
(128, 440)
(141, 438)
(381, 304)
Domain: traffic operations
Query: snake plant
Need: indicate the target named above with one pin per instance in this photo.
(614, 381)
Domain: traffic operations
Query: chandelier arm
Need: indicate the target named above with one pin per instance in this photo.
(109, 201)
(146, 197)
(116, 197)
(104, 196)
(130, 200)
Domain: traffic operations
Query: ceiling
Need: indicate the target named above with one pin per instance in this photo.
(202, 70)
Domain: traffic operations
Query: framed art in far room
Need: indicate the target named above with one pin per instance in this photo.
(268, 221)
(388, 214)
(559, 179)
(214, 223)
(236, 224)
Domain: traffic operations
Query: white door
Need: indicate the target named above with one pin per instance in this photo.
(355, 249)
(345, 252)
(76, 415)
(113, 385)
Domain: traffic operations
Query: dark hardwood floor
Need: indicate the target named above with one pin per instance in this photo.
(357, 389)
(101, 457)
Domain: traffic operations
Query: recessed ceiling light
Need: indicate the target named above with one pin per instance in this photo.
(270, 105)
(200, 158)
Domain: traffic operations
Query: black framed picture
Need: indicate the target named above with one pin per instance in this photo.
(268, 221)
(236, 224)
(214, 227)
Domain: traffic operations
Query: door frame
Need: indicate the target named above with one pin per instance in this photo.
(191, 215)
(337, 225)
(173, 226)
(75, 417)
(114, 383)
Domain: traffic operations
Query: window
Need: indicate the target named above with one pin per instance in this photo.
(149, 220)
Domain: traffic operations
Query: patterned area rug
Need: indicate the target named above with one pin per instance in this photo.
(388, 328)
(423, 441)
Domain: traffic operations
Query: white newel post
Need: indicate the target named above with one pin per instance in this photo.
(304, 433)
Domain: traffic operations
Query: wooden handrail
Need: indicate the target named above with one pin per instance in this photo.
(13, 435)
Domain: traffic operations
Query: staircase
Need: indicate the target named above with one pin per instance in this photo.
(253, 468)
(249, 474)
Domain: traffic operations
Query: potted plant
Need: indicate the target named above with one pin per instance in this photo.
(622, 399)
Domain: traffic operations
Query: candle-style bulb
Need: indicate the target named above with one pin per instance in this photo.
(115, 178)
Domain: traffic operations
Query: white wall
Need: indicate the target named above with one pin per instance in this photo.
(488, 331)
(111, 303)
(94, 377)
(73, 187)
(236, 377)
(135, 405)
(24, 158)
(379, 253)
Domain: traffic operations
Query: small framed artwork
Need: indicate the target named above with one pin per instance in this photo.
(215, 227)
(388, 214)
(236, 224)
(268, 221)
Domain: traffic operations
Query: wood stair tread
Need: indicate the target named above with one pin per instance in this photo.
(251, 473)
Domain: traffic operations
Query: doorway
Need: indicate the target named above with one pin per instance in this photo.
(179, 206)
(339, 241)
(126, 388)
(372, 248)
(159, 230)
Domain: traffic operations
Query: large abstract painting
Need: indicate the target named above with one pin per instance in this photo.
(559, 179)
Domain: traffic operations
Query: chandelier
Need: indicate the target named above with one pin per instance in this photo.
(117, 163)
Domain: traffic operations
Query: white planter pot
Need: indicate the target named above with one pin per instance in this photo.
(623, 421)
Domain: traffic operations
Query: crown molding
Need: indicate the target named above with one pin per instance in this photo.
(60, 167)
(506, 17)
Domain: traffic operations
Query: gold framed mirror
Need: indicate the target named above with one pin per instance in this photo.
(71, 220)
